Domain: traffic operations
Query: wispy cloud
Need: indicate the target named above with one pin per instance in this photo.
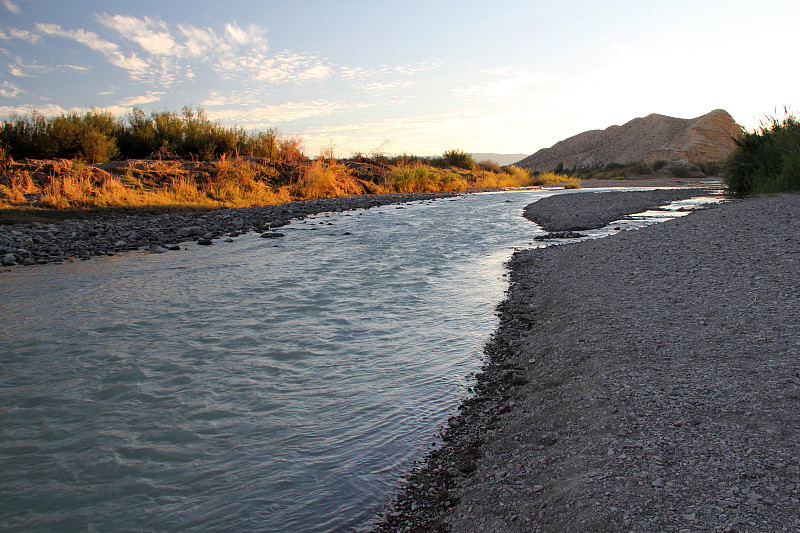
(148, 98)
(20, 69)
(288, 66)
(24, 35)
(11, 6)
(135, 66)
(48, 110)
(9, 90)
(151, 34)
(270, 115)
(505, 84)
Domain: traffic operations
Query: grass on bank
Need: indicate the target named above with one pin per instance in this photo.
(174, 161)
(766, 160)
(232, 182)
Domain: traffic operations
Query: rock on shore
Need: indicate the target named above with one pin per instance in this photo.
(31, 244)
(648, 381)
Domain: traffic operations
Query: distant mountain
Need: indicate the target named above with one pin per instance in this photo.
(652, 138)
(500, 159)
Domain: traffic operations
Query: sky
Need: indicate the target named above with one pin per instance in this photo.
(414, 77)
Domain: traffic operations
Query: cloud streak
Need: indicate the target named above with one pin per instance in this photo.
(136, 67)
(11, 6)
(270, 115)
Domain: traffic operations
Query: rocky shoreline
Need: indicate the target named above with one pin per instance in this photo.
(35, 243)
(647, 381)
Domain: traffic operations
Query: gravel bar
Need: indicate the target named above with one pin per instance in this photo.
(647, 381)
(35, 243)
(574, 212)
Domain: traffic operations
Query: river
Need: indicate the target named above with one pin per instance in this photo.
(264, 384)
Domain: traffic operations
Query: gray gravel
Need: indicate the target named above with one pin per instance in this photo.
(648, 381)
(574, 212)
(32, 244)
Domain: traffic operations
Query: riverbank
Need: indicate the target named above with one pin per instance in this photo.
(647, 381)
(35, 243)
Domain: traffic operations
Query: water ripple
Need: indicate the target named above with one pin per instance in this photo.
(246, 386)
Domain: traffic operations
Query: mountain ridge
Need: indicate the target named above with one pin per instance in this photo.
(704, 139)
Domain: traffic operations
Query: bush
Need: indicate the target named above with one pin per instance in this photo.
(458, 159)
(766, 160)
(680, 171)
(97, 137)
(490, 165)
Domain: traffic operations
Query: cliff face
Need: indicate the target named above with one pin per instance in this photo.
(655, 137)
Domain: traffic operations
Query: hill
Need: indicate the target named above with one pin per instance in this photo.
(705, 139)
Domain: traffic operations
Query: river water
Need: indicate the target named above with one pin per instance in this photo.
(260, 385)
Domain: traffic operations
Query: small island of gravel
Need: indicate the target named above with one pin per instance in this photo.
(647, 381)
(570, 212)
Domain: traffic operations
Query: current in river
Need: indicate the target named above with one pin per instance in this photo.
(259, 385)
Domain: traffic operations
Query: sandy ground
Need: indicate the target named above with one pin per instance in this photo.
(648, 381)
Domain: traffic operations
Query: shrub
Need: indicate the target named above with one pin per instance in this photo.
(680, 171)
(551, 178)
(490, 165)
(766, 160)
(458, 159)
(290, 150)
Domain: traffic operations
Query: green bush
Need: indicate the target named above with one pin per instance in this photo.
(459, 159)
(97, 136)
(680, 171)
(766, 160)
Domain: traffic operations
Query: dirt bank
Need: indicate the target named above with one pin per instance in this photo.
(648, 381)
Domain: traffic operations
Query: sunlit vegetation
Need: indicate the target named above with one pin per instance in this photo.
(766, 160)
(552, 178)
(165, 161)
(97, 136)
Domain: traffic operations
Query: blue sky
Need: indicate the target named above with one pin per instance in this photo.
(415, 77)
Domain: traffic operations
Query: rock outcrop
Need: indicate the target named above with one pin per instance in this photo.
(705, 139)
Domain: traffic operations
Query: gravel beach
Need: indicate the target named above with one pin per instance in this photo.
(647, 381)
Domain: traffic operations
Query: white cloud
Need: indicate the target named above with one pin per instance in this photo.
(9, 90)
(25, 35)
(17, 72)
(252, 36)
(48, 110)
(148, 98)
(135, 66)
(200, 42)
(289, 66)
(11, 6)
(216, 99)
(149, 33)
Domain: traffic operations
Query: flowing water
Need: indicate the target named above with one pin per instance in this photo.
(264, 384)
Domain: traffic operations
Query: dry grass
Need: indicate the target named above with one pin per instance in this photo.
(418, 177)
(551, 178)
(236, 182)
(323, 179)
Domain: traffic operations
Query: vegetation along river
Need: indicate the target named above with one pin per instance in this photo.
(264, 384)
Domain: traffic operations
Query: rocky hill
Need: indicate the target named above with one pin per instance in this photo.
(704, 139)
